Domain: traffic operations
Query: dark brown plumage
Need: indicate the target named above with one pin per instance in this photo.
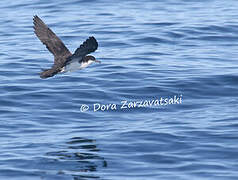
(53, 44)
(61, 54)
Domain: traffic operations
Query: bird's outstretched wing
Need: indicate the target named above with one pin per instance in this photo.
(52, 42)
(88, 46)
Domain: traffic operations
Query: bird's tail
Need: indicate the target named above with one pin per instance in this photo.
(49, 73)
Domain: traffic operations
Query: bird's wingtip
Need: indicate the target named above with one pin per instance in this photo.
(93, 37)
(35, 17)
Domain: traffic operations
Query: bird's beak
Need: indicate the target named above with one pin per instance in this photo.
(97, 61)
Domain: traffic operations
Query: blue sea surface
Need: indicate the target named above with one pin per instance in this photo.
(163, 104)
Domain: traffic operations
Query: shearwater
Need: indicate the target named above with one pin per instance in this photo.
(64, 60)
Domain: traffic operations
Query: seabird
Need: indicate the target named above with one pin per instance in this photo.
(64, 60)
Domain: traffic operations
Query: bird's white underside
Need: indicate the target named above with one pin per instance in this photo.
(75, 65)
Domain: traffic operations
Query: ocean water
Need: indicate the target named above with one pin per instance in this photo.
(161, 105)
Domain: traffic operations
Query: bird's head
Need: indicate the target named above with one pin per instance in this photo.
(90, 59)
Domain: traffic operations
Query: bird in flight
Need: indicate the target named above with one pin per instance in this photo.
(64, 60)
